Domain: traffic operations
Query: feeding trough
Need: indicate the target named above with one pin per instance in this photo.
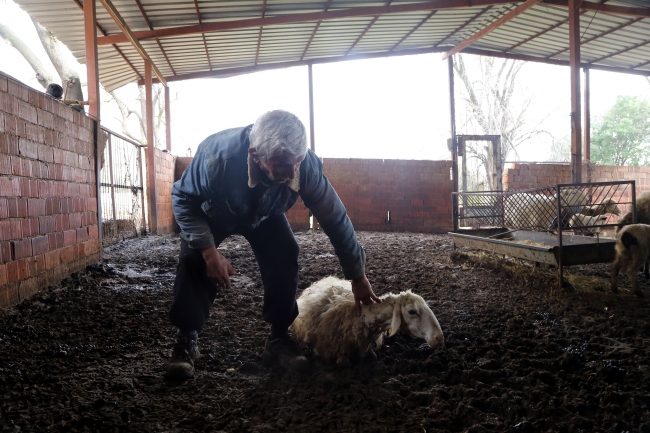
(561, 225)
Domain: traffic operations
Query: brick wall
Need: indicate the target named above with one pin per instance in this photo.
(165, 170)
(48, 197)
(525, 176)
(416, 193)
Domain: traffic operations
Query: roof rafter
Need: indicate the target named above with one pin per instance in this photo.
(162, 50)
(625, 50)
(491, 27)
(300, 18)
(313, 34)
(413, 30)
(366, 30)
(259, 36)
(553, 27)
(465, 24)
(205, 42)
(603, 8)
(103, 32)
(600, 35)
(112, 11)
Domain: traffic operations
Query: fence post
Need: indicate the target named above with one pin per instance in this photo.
(144, 212)
(110, 171)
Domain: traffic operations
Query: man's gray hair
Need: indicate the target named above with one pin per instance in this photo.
(278, 132)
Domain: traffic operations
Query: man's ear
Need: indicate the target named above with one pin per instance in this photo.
(253, 153)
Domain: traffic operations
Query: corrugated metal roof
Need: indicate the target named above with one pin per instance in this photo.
(540, 33)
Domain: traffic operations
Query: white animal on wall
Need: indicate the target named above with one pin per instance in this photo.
(632, 253)
(329, 323)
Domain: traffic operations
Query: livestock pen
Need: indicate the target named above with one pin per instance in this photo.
(561, 225)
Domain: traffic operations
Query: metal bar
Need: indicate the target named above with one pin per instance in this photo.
(536, 35)
(363, 33)
(122, 137)
(454, 145)
(560, 267)
(491, 27)
(587, 114)
(605, 9)
(300, 18)
(633, 47)
(144, 213)
(574, 63)
(259, 36)
(126, 30)
(103, 32)
(162, 50)
(413, 30)
(312, 134)
(110, 171)
(586, 41)
(634, 221)
(168, 120)
(313, 34)
(462, 26)
(151, 152)
(117, 186)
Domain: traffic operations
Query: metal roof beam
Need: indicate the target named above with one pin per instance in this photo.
(491, 27)
(413, 30)
(300, 18)
(465, 24)
(259, 36)
(313, 34)
(162, 50)
(603, 8)
(112, 11)
(205, 42)
(366, 30)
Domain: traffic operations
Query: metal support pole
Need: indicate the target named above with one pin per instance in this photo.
(110, 171)
(168, 120)
(144, 212)
(151, 151)
(574, 62)
(92, 78)
(560, 268)
(587, 113)
(311, 109)
(454, 144)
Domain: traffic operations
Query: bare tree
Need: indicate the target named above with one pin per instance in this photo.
(137, 130)
(42, 74)
(488, 93)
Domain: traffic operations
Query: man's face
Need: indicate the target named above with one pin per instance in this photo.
(278, 169)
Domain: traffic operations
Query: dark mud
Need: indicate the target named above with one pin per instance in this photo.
(89, 355)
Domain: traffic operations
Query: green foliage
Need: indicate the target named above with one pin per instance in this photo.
(622, 136)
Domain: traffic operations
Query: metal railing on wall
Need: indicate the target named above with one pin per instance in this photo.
(122, 188)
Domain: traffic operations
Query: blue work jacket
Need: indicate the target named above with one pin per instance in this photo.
(225, 190)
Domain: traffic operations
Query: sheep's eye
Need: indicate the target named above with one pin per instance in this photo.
(413, 312)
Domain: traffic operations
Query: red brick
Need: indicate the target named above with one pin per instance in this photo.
(3, 280)
(82, 234)
(21, 249)
(36, 207)
(75, 220)
(29, 227)
(8, 143)
(46, 224)
(10, 229)
(52, 259)
(12, 272)
(27, 148)
(45, 188)
(9, 187)
(69, 238)
(68, 254)
(5, 164)
(93, 232)
(5, 252)
(40, 245)
(17, 208)
(45, 153)
(4, 208)
(34, 133)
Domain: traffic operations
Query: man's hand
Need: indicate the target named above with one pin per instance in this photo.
(362, 291)
(219, 268)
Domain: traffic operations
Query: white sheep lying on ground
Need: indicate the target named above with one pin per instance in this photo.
(632, 252)
(329, 323)
(642, 212)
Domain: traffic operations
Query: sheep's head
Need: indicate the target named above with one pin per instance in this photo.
(611, 207)
(412, 315)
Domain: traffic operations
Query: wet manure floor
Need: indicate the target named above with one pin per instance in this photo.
(89, 354)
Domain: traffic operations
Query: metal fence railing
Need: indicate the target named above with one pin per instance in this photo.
(122, 188)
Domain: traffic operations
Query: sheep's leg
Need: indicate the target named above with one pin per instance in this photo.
(632, 271)
(616, 267)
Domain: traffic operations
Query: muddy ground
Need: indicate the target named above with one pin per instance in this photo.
(89, 355)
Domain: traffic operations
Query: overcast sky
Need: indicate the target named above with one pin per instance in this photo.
(381, 108)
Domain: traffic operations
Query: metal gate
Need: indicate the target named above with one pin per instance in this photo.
(122, 191)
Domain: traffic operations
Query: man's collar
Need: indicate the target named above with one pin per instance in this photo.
(256, 176)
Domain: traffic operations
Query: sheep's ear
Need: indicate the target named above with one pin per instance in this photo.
(397, 319)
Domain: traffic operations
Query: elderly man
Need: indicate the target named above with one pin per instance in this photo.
(242, 181)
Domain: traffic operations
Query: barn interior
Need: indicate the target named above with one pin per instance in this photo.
(88, 250)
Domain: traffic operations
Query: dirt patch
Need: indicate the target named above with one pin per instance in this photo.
(89, 354)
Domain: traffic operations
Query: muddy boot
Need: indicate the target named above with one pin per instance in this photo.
(286, 352)
(181, 364)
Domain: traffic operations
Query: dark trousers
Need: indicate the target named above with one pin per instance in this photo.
(276, 251)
